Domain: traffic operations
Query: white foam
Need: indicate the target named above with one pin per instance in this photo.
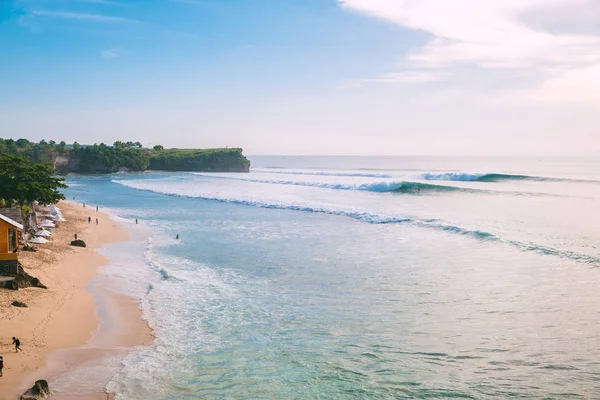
(453, 176)
(320, 173)
(378, 186)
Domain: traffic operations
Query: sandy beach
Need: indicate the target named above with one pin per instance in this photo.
(65, 315)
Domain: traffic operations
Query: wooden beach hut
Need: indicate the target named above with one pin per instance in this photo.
(9, 238)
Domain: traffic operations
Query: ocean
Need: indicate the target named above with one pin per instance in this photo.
(360, 278)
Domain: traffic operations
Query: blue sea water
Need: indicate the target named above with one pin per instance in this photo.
(361, 278)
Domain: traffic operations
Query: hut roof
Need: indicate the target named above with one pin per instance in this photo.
(11, 222)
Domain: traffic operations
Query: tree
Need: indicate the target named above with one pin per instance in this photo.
(11, 147)
(24, 183)
(158, 147)
(23, 143)
(76, 146)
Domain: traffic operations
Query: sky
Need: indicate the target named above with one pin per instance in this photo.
(318, 77)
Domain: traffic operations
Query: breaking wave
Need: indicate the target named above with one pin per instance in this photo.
(470, 177)
(373, 218)
(495, 177)
(321, 173)
(380, 187)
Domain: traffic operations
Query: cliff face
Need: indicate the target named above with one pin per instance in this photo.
(124, 157)
(208, 160)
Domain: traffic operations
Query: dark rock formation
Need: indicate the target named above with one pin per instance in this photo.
(10, 268)
(29, 248)
(25, 280)
(18, 277)
(39, 391)
(78, 243)
(19, 304)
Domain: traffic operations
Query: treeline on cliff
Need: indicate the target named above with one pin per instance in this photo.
(101, 158)
(125, 156)
(218, 160)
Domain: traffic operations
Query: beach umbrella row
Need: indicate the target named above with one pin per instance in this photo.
(47, 224)
(53, 215)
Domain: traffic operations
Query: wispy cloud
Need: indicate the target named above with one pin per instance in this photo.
(194, 2)
(78, 16)
(112, 53)
(105, 2)
(500, 35)
(101, 2)
(407, 77)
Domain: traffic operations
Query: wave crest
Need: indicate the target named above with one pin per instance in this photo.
(379, 187)
(478, 177)
(383, 219)
(320, 173)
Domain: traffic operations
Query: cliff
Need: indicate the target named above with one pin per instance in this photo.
(208, 160)
(125, 157)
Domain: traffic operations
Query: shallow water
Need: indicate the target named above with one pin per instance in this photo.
(355, 277)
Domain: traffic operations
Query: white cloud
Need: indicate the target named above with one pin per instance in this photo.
(111, 53)
(502, 35)
(578, 85)
(407, 77)
(78, 16)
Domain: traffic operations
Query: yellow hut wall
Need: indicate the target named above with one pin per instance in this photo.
(4, 253)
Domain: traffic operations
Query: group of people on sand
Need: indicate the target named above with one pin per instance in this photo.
(90, 220)
(17, 344)
(90, 217)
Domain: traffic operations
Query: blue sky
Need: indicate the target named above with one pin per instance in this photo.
(453, 77)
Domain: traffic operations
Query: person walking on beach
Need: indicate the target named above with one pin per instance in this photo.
(83, 205)
(89, 220)
(75, 236)
(1, 365)
(136, 221)
(17, 344)
(96, 208)
(96, 221)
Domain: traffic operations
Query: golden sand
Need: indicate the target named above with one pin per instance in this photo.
(64, 315)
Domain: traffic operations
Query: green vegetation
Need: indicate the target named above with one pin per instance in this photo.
(105, 159)
(42, 152)
(22, 182)
(216, 160)
(124, 156)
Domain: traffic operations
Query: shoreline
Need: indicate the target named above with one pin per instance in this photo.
(76, 319)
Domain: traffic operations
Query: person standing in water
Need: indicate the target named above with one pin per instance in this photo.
(96, 208)
(136, 221)
(177, 237)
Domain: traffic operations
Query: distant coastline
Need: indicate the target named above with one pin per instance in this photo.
(125, 157)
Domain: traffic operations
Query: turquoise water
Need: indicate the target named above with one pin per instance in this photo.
(361, 278)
